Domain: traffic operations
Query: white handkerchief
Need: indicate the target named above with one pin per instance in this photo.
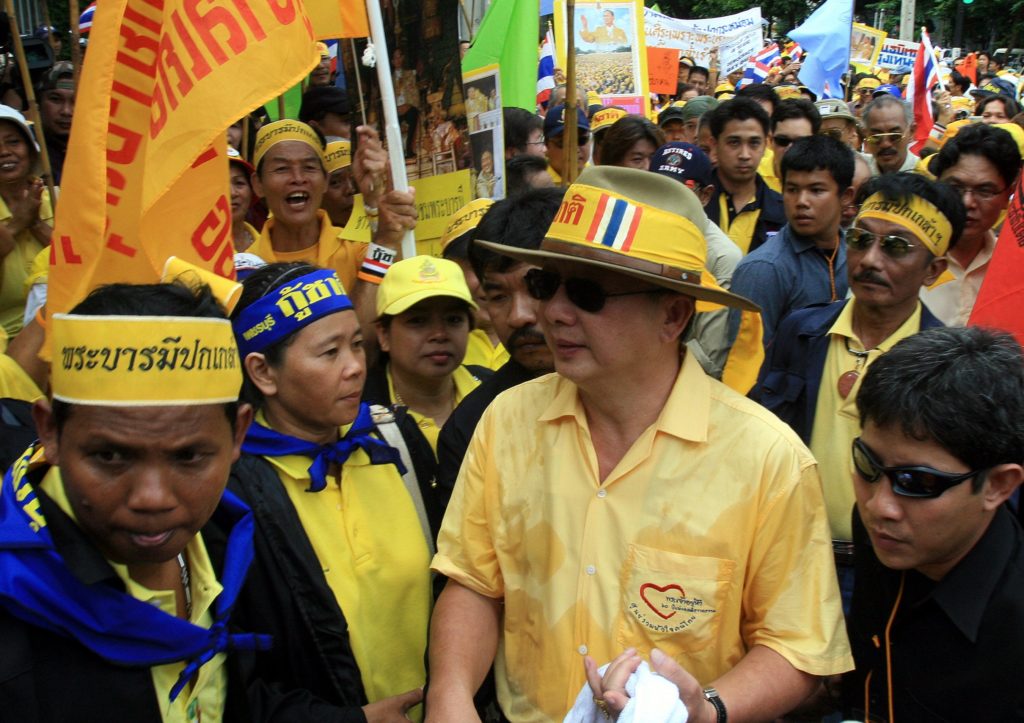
(652, 699)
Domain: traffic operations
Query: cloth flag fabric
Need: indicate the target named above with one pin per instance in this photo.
(794, 51)
(970, 67)
(337, 18)
(825, 37)
(923, 78)
(546, 67)
(760, 65)
(149, 145)
(85, 19)
(1002, 292)
(508, 38)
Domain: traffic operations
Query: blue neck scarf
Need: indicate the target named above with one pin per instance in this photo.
(266, 442)
(38, 588)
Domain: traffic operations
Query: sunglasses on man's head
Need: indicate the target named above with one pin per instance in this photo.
(585, 294)
(923, 482)
(895, 247)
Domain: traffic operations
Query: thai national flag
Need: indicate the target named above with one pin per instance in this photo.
(546, 67)
(794, 51)
(759, 65)
(85, 20)
(923, 78)
(615, 223)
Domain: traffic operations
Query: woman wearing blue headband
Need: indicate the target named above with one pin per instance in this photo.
(343, 534)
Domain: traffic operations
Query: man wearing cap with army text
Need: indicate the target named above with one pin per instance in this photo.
(603, 507)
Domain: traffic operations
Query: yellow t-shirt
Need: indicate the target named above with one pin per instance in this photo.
(481, 352)
(741, 228)
(836, 421)
(687, 545)
(15, 383)
(330, 252)
(465, 382)
(204, 699)
(367, 537)
(15, 268)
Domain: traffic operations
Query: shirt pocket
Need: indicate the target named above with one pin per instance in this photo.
(672, 601)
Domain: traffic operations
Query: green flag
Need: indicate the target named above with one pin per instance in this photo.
(509, 35)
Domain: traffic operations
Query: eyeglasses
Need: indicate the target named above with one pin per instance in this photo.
(982, 193)
(895, 247)
(878, 138)
(557, 141)
(583, 293)
(783, 141)
(906, 481)
(541, 142)
(835, 133)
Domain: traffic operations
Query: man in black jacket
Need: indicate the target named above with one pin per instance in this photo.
(519, 222)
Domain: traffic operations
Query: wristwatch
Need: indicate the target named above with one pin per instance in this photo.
(711, 695)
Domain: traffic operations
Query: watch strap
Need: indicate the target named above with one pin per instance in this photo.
(711, 695)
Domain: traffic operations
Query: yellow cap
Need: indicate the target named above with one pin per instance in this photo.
(337, 155)
(1014, 130)
(465, 220)
(280, 131)
(410, 281)
(788, 92)
(952, 129)
(869, 83)
(322, 51)
(606, 118)
(724, 88)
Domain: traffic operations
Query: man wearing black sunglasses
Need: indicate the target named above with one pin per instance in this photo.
(897, 244)
(791, 119)
(629, 499)
(937, 625)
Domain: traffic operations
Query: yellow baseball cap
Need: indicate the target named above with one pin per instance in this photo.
(868, 83)
(788, 92)
(337, 155)
(1014, 130)
(463, 221)
(606, 118)
(410, 281)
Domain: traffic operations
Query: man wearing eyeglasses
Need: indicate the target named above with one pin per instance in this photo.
(981, 163)
(889, 129)
(554, 133)
(811, 375)
(937, 625)
(606, 506)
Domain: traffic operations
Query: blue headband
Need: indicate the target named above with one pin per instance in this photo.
(289, 308)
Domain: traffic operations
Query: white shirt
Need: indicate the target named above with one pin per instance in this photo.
(952, 299)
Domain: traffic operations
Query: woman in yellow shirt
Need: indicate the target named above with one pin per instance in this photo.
(343, 538)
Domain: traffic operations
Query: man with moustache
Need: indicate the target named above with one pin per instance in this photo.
(888, 130)
(897, 244)
(519, 222)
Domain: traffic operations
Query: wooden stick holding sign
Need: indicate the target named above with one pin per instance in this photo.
(570, 128)
(30, 96)
(392, 130)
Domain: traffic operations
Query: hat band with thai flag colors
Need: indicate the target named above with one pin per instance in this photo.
(635, 223)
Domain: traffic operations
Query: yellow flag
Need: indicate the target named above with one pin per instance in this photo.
(338, 18)
(146, 171)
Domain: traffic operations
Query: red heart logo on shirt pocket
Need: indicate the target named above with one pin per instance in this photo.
(658, 602)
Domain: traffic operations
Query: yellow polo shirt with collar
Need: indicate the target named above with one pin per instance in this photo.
(482, 352)
(367, 537)
(766, 169)
(330, 251)
(204, 699)
(465, 382)
(709, 537)
(836, 421)
(738, 226)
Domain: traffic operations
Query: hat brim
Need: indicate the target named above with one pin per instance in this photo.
(653, 273)
(410, 300)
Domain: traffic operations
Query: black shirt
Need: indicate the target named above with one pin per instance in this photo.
(956, 646)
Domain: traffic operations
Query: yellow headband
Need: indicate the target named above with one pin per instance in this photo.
(337, 155)
(285, 130)
(465, 220)
(126, 361)
(927, 222)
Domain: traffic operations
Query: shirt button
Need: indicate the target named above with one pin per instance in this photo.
(582, 650)
(591, 569)
(602, 493)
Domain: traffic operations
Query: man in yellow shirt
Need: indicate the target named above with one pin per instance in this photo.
(604, 506)
(897, 244)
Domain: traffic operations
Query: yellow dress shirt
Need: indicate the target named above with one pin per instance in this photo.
(481, 352)
(204, 699)
(709, 537)
(330, 252)
(465, 382)
(368, 540)
(15, 268)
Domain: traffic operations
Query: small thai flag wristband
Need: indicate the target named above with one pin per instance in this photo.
(376, 263)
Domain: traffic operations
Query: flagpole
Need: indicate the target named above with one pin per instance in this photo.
(392, 131)
(359, 80)
(570, 129)
(30, 96)
(76, 39)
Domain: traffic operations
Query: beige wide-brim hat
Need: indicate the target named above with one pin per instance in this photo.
(635, 223)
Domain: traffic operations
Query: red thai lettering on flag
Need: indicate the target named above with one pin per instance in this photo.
(615, 223)
(999, 301)
(923, 78)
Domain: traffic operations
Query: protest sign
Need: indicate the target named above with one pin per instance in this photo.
(663, 69)
(736, 36)
(865, 45)
(897, 55)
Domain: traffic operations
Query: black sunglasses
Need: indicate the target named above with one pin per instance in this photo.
(895, 247)
(906, 481)
(583, 293)
(784, 141)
